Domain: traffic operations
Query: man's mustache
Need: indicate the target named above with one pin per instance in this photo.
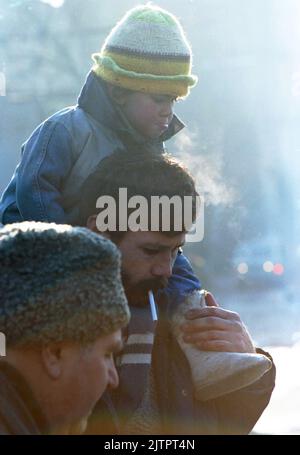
(153, 284)
(144, 286)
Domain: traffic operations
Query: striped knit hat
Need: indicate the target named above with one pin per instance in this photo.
(147, 51)
(58, 283)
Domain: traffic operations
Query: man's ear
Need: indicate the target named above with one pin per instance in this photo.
(91, 223)
(52, 359)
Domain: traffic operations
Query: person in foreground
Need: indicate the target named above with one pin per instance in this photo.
(62, 310)
(156, 394)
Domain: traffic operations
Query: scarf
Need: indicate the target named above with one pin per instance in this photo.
(134, 364)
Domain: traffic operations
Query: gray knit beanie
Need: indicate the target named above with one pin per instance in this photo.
(58, 283)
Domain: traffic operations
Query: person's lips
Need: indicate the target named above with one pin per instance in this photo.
(158, 284)
(163, 126)
(153, 284)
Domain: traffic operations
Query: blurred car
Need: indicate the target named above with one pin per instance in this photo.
(259, 262)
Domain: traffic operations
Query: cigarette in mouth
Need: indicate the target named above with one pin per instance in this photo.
(152, 305)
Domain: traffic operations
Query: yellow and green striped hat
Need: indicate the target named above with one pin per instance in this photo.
(147, 51)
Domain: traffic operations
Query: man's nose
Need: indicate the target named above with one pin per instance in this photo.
(113, 377)
(162, 269)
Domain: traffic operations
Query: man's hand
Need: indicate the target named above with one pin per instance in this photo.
(215, 329)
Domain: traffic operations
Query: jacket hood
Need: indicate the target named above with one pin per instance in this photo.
(94, 100)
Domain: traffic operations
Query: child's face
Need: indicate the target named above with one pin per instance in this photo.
(149, 114)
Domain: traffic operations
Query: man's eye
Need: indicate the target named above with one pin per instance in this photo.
(150, 251)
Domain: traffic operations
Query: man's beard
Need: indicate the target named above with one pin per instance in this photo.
(137, 294)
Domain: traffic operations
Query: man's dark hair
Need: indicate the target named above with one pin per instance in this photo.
(144, 174)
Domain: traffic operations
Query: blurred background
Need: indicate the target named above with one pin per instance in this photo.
(242, 143)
